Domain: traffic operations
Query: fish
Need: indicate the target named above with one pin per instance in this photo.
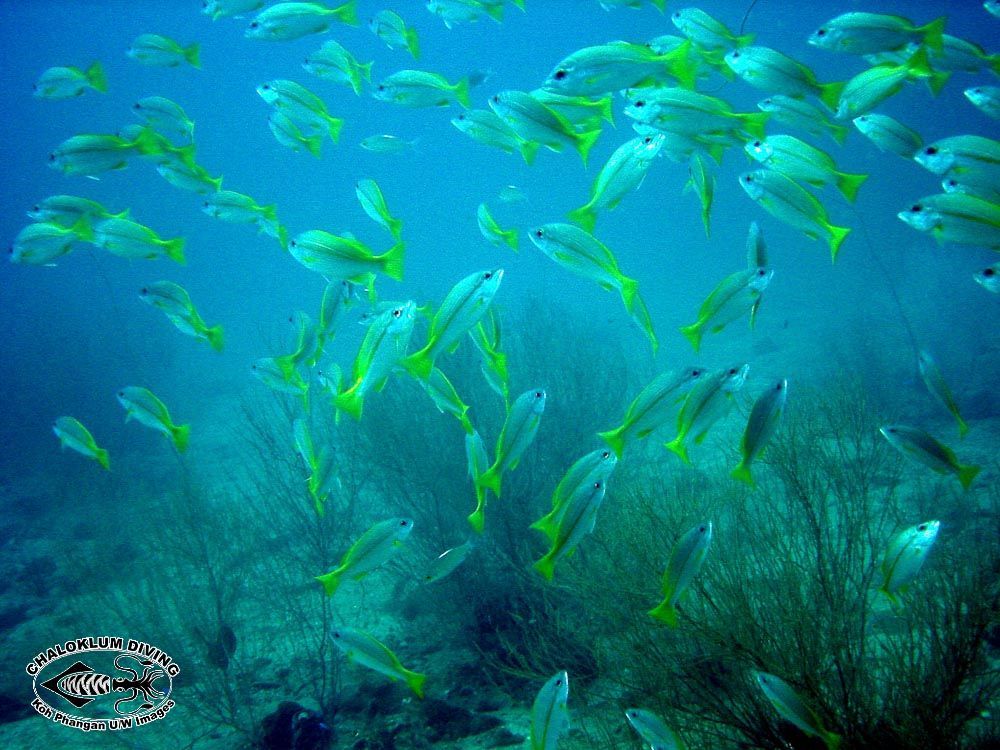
(702, 183)
(302, 106)
(166, 117)
(72, 434)
(176, 304)
(288, 21)
(989, 278)
(373, 548)
(448, 561)
(653, 731)
(871, 33)
(607, 68)
(794, 710)
(549, 713)
(591, 468)
(421, 88)
(786, 201)
(387, 144)
(889, 135)
(477, 461)
(707, 32)
(956, 54)
(584, 112)
(519, 429)
(67, 210)
(903, 558)
(765, 416)
(938, 388)
(130, 239)
(577, 517)
(492, 231)
(960, 218)
(460, 310)
(389, 26)
(871, 87)
(161, 51)
(960, 155)
(291, 136)
(706, 402)
(270, 372)
(800, 161)
(624, 172)
(756, 247)
(533, 121)
(364, 649)
(446, 398)
(338, 297)
(94, 154)
(486, 127)
(43, 242)
(802, 114)
(580, 252)
(373, 202)
(185, 174)
(686, 559)
(922, 448)
(382, 348)
(140, 404)
(343, 258)
(306, 350)
(454, 12)
(238, 208)
(679, 110)
(230, 8)
(735, 296)
(332, 62)
(776, 72)
(650, 409)
(986, 99)
(68, 82)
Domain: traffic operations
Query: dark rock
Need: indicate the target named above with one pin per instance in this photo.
(292, 727)
(506, 738)
(13, 710)
(448, 722)
(13, 616)
(386, 699)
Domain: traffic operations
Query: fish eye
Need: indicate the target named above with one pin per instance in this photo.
(748, 178)
(597, 485)
(144, 291)
(539, 233)
(641, 103)
(701, 529)
(381, 87)
(36, 208)
(496, 98)
(756, 144)
(761, 272)
(735, 54)
(916, 208)
(922, 527)
(397, 312)
(989, 272)
(605, 454)
(52, 157)
(820, 32)
(293, 243)
(137, 106)
(733, 371)
(647, 139)
(538, 394)
(931, 150)
(560, 74)
(121, 394)
(404, 522)
(254, 25)
(461, 116)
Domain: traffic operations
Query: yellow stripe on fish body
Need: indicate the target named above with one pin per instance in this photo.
(801, 161)
(344, 258)
(147, 409)
(446, 398)
(761, 426)
(785, 200)
(707, 402)
(651, 408)
(460, 310)
(94, 154)
(72, 434)
(519, 430)
(288, 21)
(364, 649)
(624, 172)
(686, 559)
(369, 551)
(702, 183)
(549, 713)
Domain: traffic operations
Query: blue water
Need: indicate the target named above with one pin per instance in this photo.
(74, 334)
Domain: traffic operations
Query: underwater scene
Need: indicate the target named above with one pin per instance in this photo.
(473, 374)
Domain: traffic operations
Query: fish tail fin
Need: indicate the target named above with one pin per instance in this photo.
(462, 91)
(348, 13)
(180, 434)
(96, 78)
(333, 126)
(606, 112)
(395, 227)
(832, 740)
(192, 54)
(585, 216)
(412, 43)
(693, 333)
(365, 71)
(175, 250)
(742, 472)
(419, 364)
(678, 446)
(330, 581)
(510, 237)
(963, 426)
(490, 479)
(937, 81)
(214, 336)
(282, 236)
(82, 229)
(934, 33)
(546, 566)
(994, 64)
(529, 150)
(313, 144)
(477, 518)
(352, 401)
(681, 66)
(848, 184)
(415, 681)
(393, 263)
(546, 525)
(615, 439)
(585, 141)
(839, 132)
(966, 474)
(893, 598)
(147, 143)
(101, 454)
(837, 237)
(754, 123)
(665, 612)
(829, 94)
(629, 290)
(495, 12)
(660, 5)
